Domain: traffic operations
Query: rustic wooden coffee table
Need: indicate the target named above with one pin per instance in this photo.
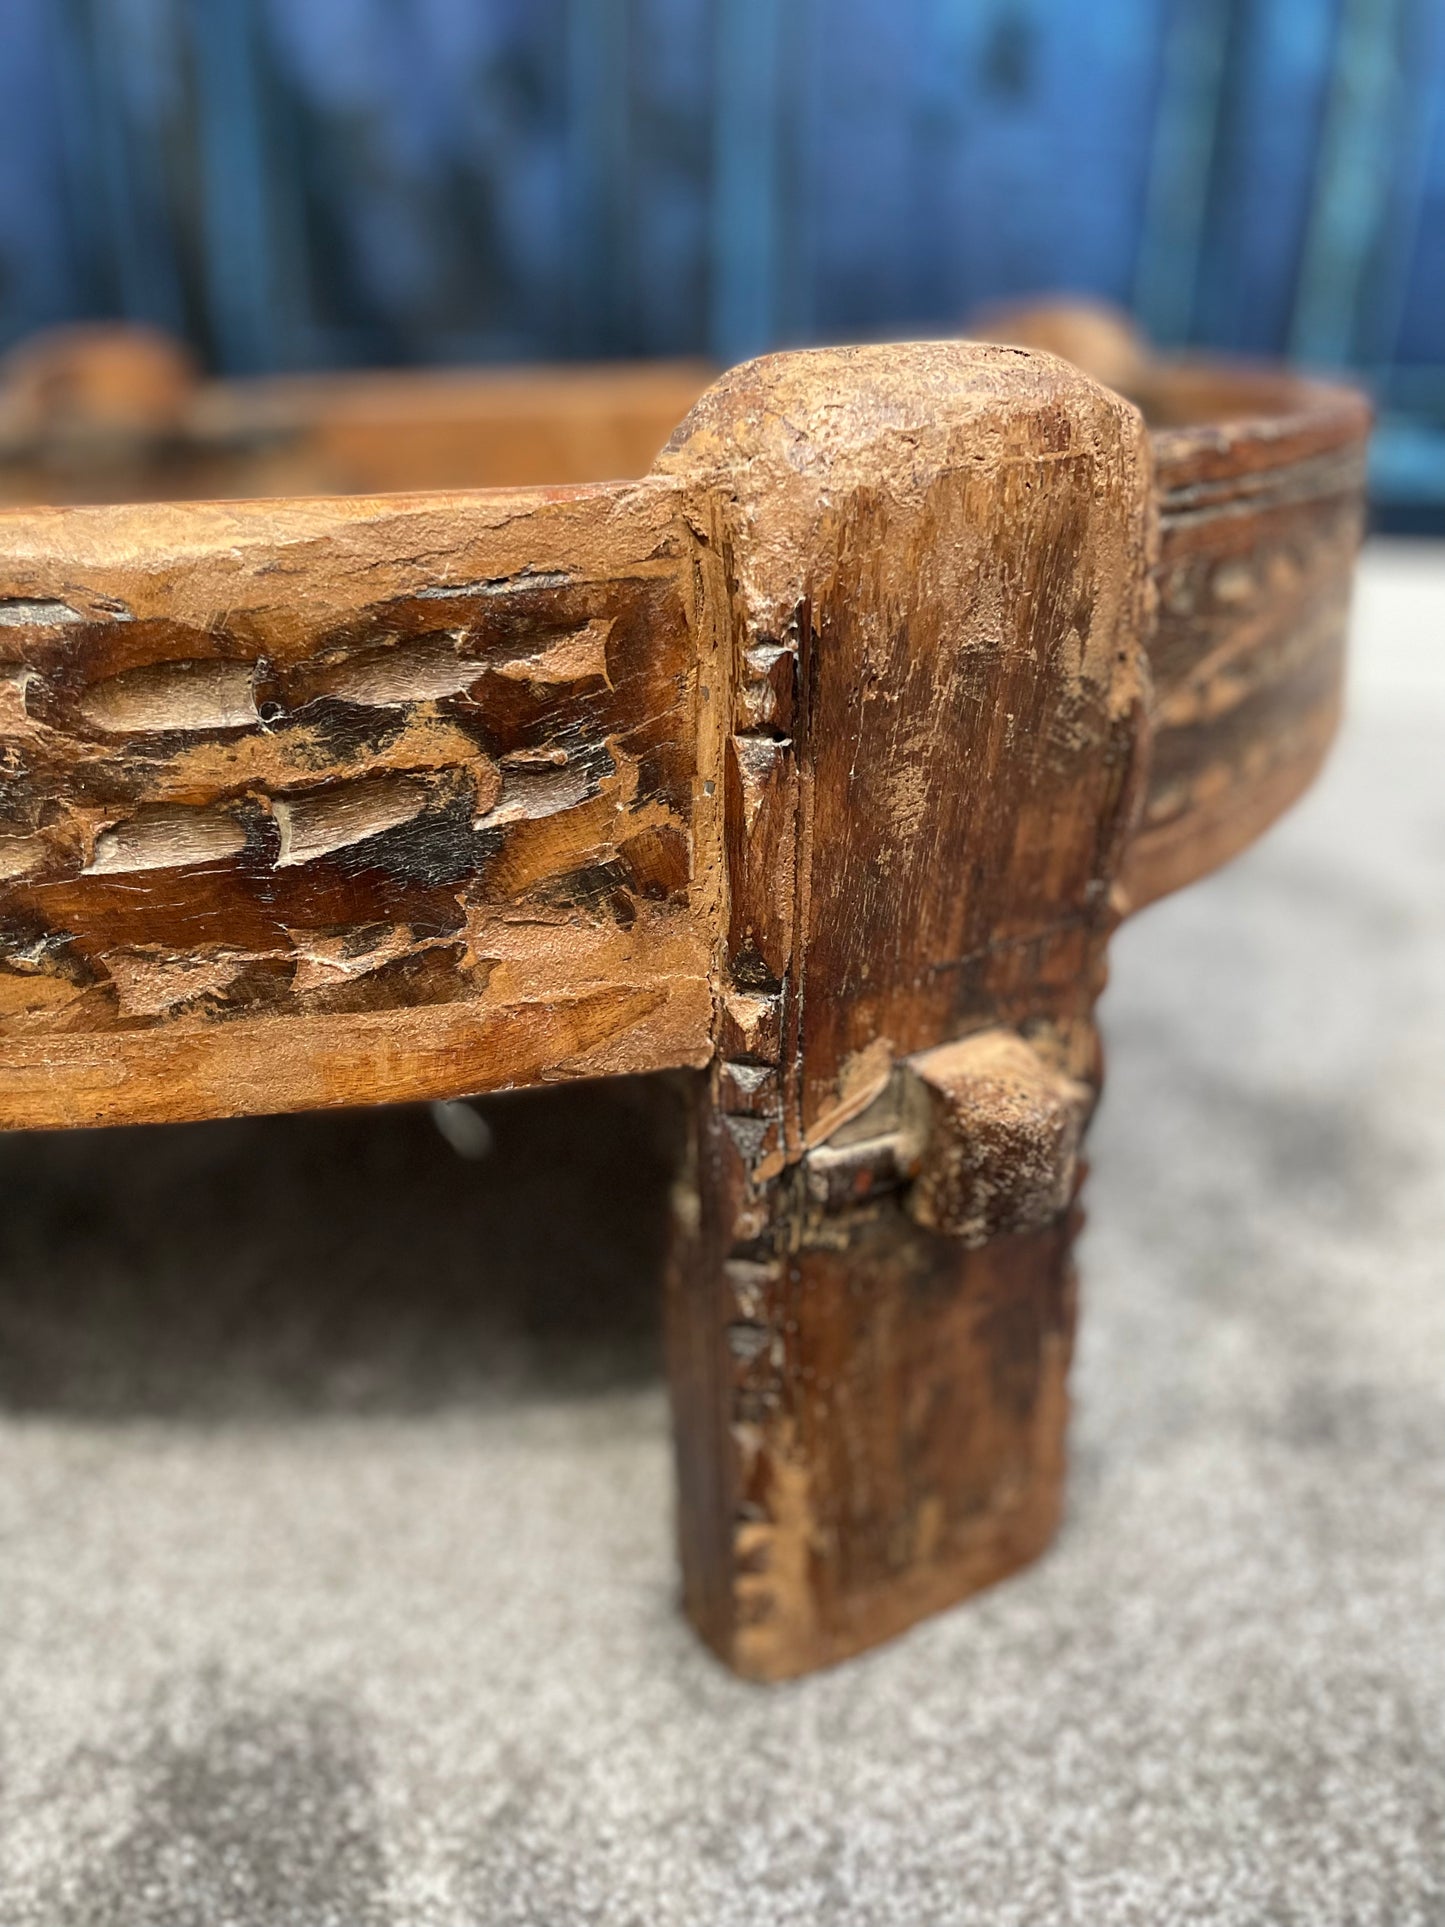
(819, 763)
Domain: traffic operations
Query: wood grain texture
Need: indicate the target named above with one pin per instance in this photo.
(1261, 503)
(348, 799)
(1260, 477)
(821, 763)
(1260, 485)
(951, 546)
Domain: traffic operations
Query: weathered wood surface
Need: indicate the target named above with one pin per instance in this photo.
(329, 802)
(949, 546)
(1261, 507)
(822, 761)
(1259, 478)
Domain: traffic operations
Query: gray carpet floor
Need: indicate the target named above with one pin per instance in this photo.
(336, 1585)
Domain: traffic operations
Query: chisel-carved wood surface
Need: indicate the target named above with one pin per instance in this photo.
(345, 800)
(820, 763)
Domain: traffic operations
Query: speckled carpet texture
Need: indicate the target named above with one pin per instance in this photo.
(336, 1578)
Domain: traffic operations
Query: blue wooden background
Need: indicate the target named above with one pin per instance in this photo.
(296, 183)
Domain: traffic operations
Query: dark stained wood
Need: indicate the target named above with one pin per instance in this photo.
(997, 1130)
(1260, 480)
(1261, 506)
(953, 541)
(868, 1427)
(1255, 467)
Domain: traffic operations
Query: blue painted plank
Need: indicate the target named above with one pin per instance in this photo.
(438, 197)
(1183, 166)
(44, 260)
(1041, 177)
(241, 282)
(1357, 159)
(358, 180)
(857, 207)
(1276, 88)
(599, 169)
(746, 198)
(1407, 328)
(671, 178)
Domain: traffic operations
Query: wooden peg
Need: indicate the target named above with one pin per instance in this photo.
(998, 1131)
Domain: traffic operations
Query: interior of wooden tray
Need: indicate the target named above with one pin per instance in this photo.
(388, 431)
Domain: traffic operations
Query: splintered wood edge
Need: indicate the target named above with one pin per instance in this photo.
(458, 846)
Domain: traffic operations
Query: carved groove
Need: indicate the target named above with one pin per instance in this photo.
(529, 794)
(24, 612)
(317, 824)
(306, 781)
(391, 675)
(174, 696)
(166, 840)
(580, 657)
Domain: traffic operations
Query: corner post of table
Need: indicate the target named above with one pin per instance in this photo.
(926, 571)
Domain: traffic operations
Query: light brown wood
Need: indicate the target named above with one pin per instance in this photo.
(321, 802)
(116, 414)
(819, 764)
(996, 1128)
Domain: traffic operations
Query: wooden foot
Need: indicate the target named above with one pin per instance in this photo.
(931, 571)
(870, 1416)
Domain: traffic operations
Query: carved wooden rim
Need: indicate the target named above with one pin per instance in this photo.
(1258, 511)
(1213, 420)
(1259, 479)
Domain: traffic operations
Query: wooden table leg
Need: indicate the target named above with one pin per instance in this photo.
(870, 1421)
(926, 570)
